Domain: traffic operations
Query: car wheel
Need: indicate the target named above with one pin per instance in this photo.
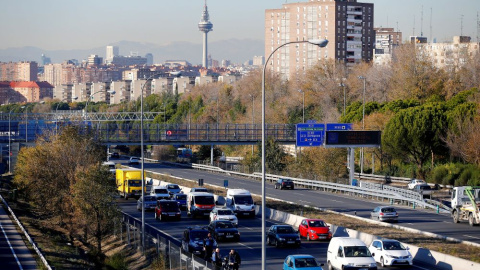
(156, 218)
(329, 265)
(293, 188)
(382, 263)
(160, 217)
(268, 241)
(308, 237)
(276, 243)
(471, 221)
(276, 187)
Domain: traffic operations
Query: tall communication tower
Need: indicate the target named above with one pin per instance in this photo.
(205, 26)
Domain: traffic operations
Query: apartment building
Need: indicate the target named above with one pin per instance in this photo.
(386, 40)
(451, 55)
(346, 24)
(19, 71)
(32, 91)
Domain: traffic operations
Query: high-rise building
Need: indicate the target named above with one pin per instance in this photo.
(19, 71)
(205, 26)
(111, 52)
(94, 60)
(346, 24)
(386, 40)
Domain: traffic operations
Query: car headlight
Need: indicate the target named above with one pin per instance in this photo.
(281, 239)
(373, 265)
(220, 233)
(312, 231)
(389, 256)
(237, 207)
(350, 264)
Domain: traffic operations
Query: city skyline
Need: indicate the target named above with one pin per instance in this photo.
(66, 25)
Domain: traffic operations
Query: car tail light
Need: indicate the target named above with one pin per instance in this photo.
(381, 214)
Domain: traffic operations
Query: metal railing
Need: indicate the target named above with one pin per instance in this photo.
(158, 245)
(365, 190)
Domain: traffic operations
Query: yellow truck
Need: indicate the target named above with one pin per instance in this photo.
(129, 182)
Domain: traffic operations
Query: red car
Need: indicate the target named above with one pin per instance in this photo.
(167, 209)
(314, 229)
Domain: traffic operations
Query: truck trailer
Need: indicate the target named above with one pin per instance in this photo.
(129, 183)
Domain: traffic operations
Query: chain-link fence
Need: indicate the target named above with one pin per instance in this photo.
(162, 249)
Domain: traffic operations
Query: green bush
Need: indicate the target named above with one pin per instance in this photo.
(456, 174)
(438, 175)
(116, 262)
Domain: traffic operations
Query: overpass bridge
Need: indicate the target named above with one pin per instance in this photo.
(124, 129)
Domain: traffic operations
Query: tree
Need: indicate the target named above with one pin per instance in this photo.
(414, 134)
(274, 156)
(93, 197)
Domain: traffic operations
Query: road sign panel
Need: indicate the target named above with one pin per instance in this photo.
(310, 134)
(353, 138)
(339, 126)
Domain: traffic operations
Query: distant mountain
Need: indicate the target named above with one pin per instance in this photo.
(235, 50)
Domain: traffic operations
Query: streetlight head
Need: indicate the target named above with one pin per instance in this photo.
(319, 42)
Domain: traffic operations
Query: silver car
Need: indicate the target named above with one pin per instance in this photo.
(384, 213)
(150, 202)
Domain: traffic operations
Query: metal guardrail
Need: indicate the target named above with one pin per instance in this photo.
(30, 240)
(392, 194)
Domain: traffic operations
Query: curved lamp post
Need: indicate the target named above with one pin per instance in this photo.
(320, 43)
(10, 142)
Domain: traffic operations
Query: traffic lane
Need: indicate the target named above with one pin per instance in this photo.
(249, 246)
(7, 257)
(413, 218)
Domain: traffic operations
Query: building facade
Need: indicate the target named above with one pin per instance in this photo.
(19, 71)
(453, 55)
(386, 40)
(346, 24)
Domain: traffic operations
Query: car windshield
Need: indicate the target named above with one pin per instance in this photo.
(285, 230)
(388, 210)
(357, 251)
(134, 183)
(316, 223)
(224, 225)
(161, 191)
(198, 235)
(426, 187)
(150, 199)
(287, 181)
(305, 262)
(181, 197)
(200, 190)
(243, 199)
(204, 200)
(225, 212)
(173, 187)
(393, 245)
(169, 206)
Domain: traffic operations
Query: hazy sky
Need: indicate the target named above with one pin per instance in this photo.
(84, 24)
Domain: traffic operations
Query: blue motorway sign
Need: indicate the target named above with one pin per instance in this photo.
(310, 134)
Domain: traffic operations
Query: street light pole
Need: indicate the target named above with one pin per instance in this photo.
(320, 43)
(303, 105)
(10, 142)
(363, 119)
(253, 118)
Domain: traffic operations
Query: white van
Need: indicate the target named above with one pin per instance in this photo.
(349, 253)
(241, 202)
(200, 203)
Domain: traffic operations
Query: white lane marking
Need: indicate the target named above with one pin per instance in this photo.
(245, 246)
(471, 236)
(11, 248)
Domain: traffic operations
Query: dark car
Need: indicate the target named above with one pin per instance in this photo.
(167, 209)
(284, 183)
(283, 235)
(115, 155)
(181, 199)
(192, 240)
(224, 230)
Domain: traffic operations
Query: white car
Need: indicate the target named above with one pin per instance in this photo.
(415, 182)
(223, 213)
(160, 193)
(134, 160)
(390, 253)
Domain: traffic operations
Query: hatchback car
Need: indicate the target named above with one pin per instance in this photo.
(223, 230)
(181, 199)
(150, 203)
(134, 161)
(167, 210)
(223, 213)
(390, 252)
(283, 235)
(414, 182)
(284, 183)
(192, 240)
(314, 229)
(173, 188)
(384, 213)
(160, 192)
(301, 261)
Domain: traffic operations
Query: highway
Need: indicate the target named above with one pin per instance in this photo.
(250, 244)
